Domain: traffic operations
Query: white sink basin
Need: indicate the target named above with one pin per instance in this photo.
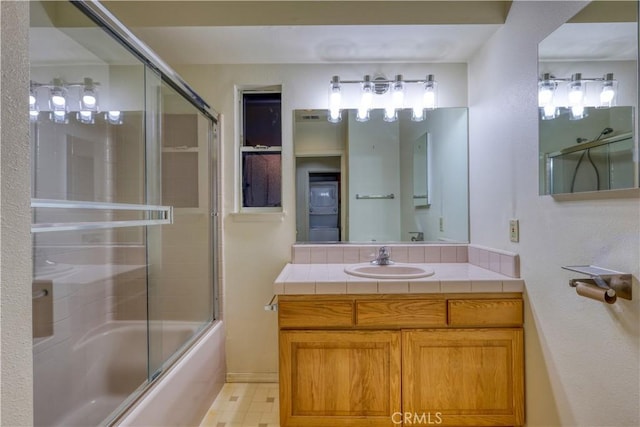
(392, 271)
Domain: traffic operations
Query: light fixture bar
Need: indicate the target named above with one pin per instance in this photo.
(380, 85)
(578, 97)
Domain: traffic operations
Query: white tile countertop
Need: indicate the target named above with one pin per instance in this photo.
(305, 279)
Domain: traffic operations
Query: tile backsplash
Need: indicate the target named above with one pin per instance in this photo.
(498, 261)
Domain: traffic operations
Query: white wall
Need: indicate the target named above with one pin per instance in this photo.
(374, 162)
(16, 385)
(256, 248)
(582, 357)
(449, 181)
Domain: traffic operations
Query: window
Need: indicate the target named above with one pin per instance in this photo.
(261, 149)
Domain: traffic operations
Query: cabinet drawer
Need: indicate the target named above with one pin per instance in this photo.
(315, 314)
(401, 313)
(485, 312)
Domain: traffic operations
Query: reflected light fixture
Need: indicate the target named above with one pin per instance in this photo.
(608, 92)
(113, 117)
(576, 93)
(33, 104)
(576, 97)
(63, 97)
(89, 98)
(85, 117)
(58, 96)
(394, 101)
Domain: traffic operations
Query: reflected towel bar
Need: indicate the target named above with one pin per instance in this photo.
(155, 215)
(375, 196)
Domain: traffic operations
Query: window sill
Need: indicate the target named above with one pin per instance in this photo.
(258, 216)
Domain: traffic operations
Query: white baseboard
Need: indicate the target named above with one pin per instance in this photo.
(249, 377)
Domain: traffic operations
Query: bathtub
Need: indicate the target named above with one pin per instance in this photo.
(108, 370)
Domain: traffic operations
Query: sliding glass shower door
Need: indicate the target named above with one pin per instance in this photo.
(123, 233)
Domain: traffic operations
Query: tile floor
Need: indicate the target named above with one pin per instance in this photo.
(244, 405)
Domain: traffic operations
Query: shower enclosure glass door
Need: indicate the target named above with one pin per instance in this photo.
(123, 237)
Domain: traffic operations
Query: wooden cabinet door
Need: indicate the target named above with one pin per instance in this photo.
(339, 378)
(464, 376)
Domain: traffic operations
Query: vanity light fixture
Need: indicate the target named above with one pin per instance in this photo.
(396, 98)
(609, 91)
(62, 97)
(89, 98)
(575, 90)
(546, 92)
(335, 97)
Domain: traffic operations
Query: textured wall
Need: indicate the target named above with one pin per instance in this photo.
(582, 357)
(16, 394)
(256, 248)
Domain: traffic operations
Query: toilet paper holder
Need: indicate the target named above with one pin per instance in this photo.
(620, 283)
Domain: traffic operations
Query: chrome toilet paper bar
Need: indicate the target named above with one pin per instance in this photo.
(603, 285)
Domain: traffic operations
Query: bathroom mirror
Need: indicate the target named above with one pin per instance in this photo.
(393, 181)
(588, 98)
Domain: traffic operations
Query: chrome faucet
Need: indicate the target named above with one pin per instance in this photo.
(383, 256)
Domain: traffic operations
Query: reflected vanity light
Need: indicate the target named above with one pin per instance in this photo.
(575, 90)
(61, 97)
(113, 117)
(395, 91)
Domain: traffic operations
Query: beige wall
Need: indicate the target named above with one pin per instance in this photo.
(16, 394)
(582, 357)
(256, 247)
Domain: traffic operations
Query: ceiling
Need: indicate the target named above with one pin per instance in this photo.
(316, 44)
(255, 32)
(321, 31)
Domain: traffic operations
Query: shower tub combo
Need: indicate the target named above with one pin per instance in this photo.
(124, 229)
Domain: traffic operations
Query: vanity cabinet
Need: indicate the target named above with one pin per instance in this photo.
(373, 360)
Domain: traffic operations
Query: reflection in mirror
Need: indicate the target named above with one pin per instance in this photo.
(420, 177)
(593, 154)
(398, 181)
(587, 143)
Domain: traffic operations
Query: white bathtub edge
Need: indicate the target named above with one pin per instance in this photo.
(184, 393)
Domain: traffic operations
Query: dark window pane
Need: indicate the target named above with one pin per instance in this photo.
(262, 119)
(261, 180)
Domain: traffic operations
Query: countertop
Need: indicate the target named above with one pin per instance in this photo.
(305, 279)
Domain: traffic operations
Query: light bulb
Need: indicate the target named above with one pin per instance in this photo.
(334, 116)
(59, 102)
(577, 112)
(549, 112)
(390, 114)
(89, 101)
(335, 97)
(114, 117)
(429, 99)
(85, 117)
(608, 92)
(576, 96)
(59, 116)
(32, 101)
(545, 95)
(417, 114)
(363, 114)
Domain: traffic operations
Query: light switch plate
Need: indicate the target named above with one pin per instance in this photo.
(514, 230)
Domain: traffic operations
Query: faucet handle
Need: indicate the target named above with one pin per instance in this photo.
(384, 251)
